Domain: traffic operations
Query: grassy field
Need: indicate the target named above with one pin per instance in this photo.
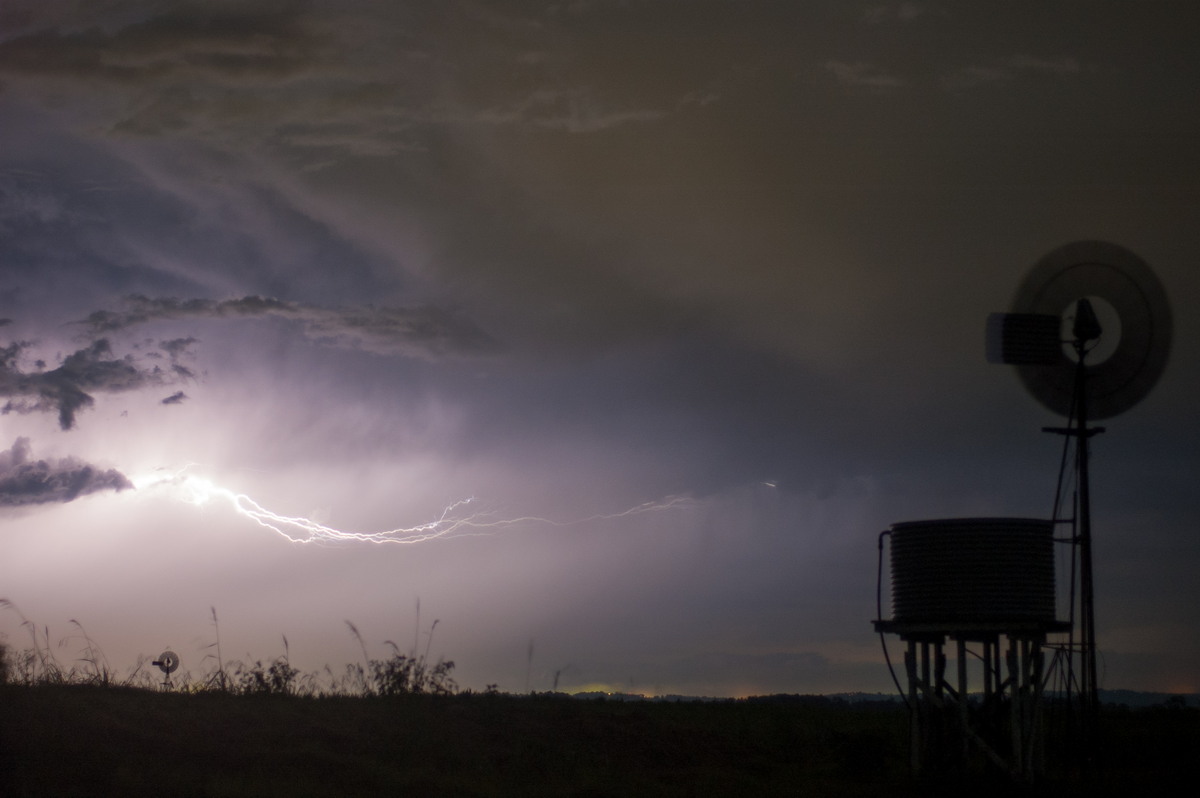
(77, 740)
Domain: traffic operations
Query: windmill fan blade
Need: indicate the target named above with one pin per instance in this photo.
(1099, 270)
(167, 662)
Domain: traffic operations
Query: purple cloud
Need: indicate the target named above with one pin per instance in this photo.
(424, 332)
(25, 481)
(68, 388)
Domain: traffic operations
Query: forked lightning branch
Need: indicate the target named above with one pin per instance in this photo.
(455, 520)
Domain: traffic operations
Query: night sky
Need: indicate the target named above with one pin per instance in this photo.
(674, 305)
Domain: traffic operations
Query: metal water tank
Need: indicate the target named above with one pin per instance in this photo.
(973, 571)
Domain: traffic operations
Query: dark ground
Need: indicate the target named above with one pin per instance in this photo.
(76, 740)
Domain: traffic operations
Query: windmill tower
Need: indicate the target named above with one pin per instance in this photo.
(1089, 334)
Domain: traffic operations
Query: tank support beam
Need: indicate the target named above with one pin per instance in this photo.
(1003, 722)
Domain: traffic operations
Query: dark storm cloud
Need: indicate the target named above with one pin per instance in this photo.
(193, 39)
(1004, 70)
(69, 388)
(862, 74)
(751, 242)
(366, 104)
(425, 332)
(141, 309)
(25, 481)
(177, 347)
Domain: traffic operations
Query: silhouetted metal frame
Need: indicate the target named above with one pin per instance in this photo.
(1085, 392)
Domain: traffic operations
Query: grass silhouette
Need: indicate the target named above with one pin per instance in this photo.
(399, 725)
(396, 674)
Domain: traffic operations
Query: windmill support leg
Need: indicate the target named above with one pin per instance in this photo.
(963, 710)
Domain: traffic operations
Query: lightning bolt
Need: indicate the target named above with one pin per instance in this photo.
(453, 521)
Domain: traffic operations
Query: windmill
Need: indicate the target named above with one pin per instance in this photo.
(167, 662)
(1089, 334)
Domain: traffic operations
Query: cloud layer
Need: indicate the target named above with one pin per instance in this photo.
(358, 260)
(25, 481)
(426, 332)
(68, 388)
